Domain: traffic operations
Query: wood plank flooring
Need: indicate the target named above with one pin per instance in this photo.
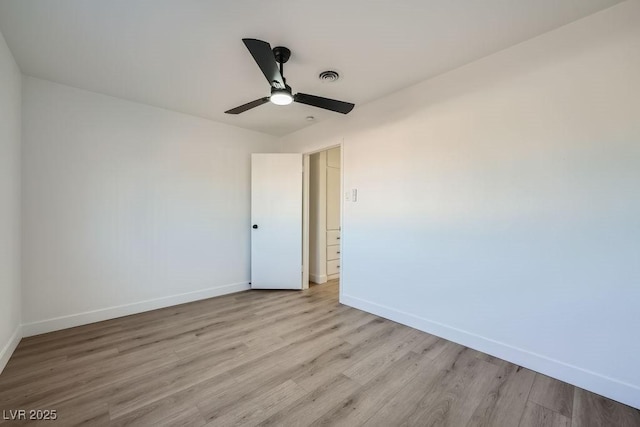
(281, 358)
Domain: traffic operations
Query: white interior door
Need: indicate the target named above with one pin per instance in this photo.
(276, 221)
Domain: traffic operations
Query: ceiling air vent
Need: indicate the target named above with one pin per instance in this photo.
(329, 76)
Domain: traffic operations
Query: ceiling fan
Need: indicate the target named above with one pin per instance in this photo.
(271, 63)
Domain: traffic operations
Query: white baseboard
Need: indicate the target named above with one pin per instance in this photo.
(612, 388)
(10, 347)
(318, 278)
(64, 322)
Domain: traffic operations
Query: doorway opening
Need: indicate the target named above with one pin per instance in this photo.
(323, 216)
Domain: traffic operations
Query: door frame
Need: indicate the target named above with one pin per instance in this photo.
(306, 157)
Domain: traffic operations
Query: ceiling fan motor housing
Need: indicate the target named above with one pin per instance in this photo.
(287, 89)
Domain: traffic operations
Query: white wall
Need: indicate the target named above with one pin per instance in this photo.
(10, 126)
(499, 204)
(128, 207)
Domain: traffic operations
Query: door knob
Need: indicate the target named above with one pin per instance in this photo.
(255, 225)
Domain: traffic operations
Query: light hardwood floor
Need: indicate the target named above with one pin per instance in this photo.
(282, 358)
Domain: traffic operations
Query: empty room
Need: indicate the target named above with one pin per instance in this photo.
(341, 213)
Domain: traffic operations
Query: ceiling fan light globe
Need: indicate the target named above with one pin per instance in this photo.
(281, 98)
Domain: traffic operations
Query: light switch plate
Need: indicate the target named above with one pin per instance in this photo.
(354, 194)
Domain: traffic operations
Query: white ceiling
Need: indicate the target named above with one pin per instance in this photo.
(187, 55)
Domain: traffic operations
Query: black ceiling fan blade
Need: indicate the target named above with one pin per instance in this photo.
(262, 53)
(326, 103)
(248, 106)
